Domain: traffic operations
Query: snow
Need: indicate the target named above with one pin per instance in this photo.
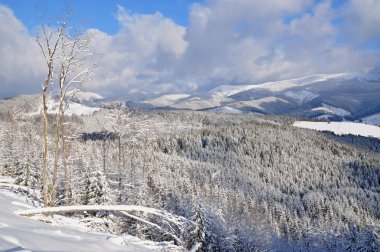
(324, 117)
(87, 96)
(6, 179)
(221, 95)
(18, 233)
(275, 86)
(301, 96)
(257, 103)
(372, 119)
(226, 109)
(78, 109)
(333, 110)
(341, 128)
(228, 90)
(73, 109)
(167, 100)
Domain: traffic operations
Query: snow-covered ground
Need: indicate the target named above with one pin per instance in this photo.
(167, 100)
(372, 119)
(226, 109)
(341, 128)
(18, 233)
(83, 97)
(301, 96)
(333, 110)
(73, 109)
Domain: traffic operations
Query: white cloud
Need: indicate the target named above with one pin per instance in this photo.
(141, 57)
(21, 63)
(362, 19)
(251, 41)
(226, 42)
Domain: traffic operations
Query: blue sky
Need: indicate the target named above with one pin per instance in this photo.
(145, 48)
(100, 14)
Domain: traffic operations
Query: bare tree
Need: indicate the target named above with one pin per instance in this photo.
(66, 52)
(48, 40)
(128, 128)
(74, 68)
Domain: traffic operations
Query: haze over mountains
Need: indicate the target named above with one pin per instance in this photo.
(342, 96)
(335, 97)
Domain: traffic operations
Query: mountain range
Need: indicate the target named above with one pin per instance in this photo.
(343, 96)
(333, 97)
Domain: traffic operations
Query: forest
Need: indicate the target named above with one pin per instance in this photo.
(237, 182)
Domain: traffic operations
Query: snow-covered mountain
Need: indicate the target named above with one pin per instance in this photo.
(342, 96)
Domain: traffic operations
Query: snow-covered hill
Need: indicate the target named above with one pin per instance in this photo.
(73, 108)
(341, 96)
(342, 128)
(87, 97)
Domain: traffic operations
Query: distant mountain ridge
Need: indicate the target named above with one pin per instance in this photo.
(335, 97)
(342, 96)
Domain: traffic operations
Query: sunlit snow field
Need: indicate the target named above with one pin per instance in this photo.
(342, 128)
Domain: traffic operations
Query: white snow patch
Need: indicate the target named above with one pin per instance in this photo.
(167, 100)
(57, 233)
(3, 225)
(73, 109)
(10, 239)
(372, 119)
(323, 117)
(6, 180)
(341, 128)
(226, 109)
(257, 103)
(87, 96)
(126, 240)
(79, 109)
(301, 96)
(17, 203)
(228, 90)
(276, 86)
(333, 110)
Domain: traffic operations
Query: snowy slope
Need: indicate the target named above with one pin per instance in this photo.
(167, 100)
(19, 233)
(226, 110)
(372, 119)
(74, 108)
(301, 96)
(342, 128)
(85, 97)
(341, 96)
(333, 110)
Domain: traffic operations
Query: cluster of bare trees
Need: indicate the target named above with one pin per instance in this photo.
(67, 56)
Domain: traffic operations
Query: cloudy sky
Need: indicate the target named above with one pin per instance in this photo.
(150, 47)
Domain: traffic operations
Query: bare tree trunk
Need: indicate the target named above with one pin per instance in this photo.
(57, 141)
(45, 154)
(104, 156)
(66, 171)
(119, 169)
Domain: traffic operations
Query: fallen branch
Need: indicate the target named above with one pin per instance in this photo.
(90, 208)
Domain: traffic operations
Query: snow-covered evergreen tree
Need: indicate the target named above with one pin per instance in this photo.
(97, 189)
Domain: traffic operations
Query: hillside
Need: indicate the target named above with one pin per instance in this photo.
(250, 182)
(344, 96)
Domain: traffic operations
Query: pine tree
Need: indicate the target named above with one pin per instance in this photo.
(198, 235)
(97, 189)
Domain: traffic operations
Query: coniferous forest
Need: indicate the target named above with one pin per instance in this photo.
(235, 182)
